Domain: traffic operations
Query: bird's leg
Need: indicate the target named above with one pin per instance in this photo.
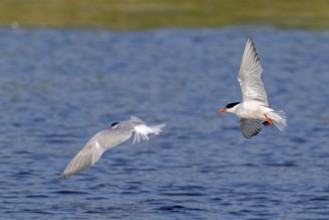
(268, 120)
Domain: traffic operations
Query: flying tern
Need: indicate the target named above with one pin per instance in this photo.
(106, 139)
(254, 110)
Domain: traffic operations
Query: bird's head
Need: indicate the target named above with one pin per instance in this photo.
(228, 108)
(114, 125)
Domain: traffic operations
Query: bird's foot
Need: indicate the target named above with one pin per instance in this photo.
(269, 121)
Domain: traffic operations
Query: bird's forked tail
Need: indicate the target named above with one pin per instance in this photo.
(142, 131)
(279, 119)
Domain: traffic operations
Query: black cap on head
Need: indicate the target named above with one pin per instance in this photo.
(231, 105)
(114, 124)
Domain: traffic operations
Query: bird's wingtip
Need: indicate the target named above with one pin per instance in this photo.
(136, 119)
(64, 175)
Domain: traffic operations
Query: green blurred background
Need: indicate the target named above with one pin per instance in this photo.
(142, 14)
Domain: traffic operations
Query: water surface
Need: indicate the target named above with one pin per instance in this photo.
(59, 87)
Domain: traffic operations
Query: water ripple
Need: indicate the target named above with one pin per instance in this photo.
(58, 87)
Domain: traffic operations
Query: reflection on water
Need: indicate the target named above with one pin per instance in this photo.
(59, 87)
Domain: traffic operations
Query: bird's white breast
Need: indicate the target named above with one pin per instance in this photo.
(252, 109)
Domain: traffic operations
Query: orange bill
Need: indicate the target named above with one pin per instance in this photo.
(221, 110)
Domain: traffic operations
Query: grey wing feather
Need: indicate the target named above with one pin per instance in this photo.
(111, 138)
(250, 127)
(249, 77)
(94, 149)
(136, 120)
(84, 159)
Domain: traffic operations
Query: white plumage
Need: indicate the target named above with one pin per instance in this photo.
(142, 131)
(254, 109)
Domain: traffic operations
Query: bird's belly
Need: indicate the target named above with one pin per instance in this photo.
(252, 111)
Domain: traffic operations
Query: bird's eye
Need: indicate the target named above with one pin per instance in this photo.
(114, 125)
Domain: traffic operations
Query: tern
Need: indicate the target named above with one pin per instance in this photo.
(254, 110)
(106, 139)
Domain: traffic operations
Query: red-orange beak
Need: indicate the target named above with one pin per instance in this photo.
(221, 110)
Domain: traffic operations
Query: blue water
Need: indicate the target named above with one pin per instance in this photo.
(59, 87)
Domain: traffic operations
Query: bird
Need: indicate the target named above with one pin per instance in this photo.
(254, 110)
(108, 138)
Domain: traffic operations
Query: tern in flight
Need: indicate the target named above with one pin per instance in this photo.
(106, 139)
(254, 110)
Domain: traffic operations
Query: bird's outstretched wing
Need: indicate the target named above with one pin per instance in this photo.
(250, 127)
(85, 158)
(94, 149)
(249, 77)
